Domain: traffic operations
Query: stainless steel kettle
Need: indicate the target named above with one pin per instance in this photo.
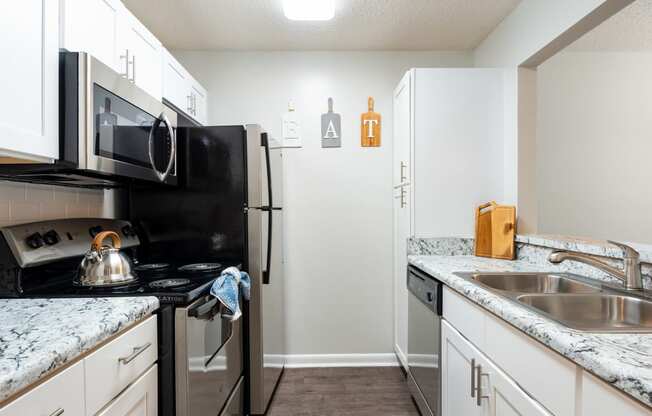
(105, 265)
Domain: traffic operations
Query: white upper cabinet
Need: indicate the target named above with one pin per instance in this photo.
(140, 55)
(93, 26)
(107, 30)
(198, 96)
(29, 80)
(182, 91)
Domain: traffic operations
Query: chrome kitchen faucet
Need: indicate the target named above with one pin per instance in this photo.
(630, 276)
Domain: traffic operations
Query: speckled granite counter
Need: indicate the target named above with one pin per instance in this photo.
(623, 360)
(38, 336)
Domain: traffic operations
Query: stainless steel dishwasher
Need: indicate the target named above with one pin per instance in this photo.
(424, 340)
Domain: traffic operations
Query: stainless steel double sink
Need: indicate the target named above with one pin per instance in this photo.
(572, 300)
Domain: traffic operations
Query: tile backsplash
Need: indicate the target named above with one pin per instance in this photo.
(20, 202)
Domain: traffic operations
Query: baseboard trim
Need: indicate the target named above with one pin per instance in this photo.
(340, 360)
(402, 358)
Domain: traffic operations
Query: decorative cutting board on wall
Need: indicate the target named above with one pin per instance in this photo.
(370, 127)
(331, 127)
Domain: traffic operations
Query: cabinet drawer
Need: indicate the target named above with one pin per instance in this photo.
(63, 394)
(545, 375)
(117, 364)
(140, 398)
(464, 316)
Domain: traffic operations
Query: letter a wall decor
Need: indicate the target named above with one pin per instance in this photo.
(370, 127)
(331, 127)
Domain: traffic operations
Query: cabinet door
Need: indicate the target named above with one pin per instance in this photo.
(458, 359)
(29, 80)
(601, 399)
(503, 396)
(63, 394)
(176, 83)
(198, 102)
(93, 26)
(145, 55)
(402, 206)
(139, 399)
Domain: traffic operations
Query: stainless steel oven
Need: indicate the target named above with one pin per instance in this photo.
(424, 340)
(208, 359)
(110, 130)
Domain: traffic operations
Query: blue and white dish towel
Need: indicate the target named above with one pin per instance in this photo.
(226, 289)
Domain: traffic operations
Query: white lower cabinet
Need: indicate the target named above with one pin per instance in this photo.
(513, 373)
(458, 384)
(474, 386)
(61, 395)
(118, 379)
(139, 399)
(600, 399)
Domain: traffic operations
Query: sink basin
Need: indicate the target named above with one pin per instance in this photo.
(533, 283)
(594, 313)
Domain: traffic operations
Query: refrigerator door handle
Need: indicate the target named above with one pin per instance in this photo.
(268, 209)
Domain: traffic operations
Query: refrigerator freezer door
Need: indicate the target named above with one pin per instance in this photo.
(267, 306)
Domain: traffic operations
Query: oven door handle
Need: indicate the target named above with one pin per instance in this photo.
(204, 310)
(173, 146)
(225, 317)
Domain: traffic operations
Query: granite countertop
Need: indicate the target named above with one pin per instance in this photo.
(38, 336)
(622, 360)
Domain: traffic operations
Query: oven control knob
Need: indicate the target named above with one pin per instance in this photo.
(34, 240)
(51, 238)
(93, 231)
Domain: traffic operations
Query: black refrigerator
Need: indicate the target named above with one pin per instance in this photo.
(227, 207)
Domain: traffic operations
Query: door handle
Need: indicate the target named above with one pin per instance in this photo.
(135, 353)
(57, 412)
(126, 58)
(473, 377)
(133, 69)
(403, 166)
(478, 378)
(173, 147)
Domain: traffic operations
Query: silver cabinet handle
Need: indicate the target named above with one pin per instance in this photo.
(189, 107)
(403, 166)
(57, 412)
(136, 352)
(479, 397)
(126, 58)
(473, 377)
(133, 69)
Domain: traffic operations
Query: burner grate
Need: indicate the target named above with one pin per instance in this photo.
(168, 283)
(200, 267)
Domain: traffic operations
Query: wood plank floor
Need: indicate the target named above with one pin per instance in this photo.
(378, 391)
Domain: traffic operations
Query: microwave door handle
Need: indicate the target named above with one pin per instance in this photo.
(173, 146)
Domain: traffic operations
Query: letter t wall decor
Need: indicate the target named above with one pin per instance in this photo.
(370, 127)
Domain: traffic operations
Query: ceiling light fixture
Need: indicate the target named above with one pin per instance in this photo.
(309, 9)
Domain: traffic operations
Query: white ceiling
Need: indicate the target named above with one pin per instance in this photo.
(628, 30)
(358, 24)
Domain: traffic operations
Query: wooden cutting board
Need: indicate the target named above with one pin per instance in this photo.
(495, 227)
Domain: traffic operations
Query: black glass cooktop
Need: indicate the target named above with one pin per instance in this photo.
(171, 283)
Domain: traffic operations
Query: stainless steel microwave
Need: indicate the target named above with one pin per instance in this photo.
(111, 131)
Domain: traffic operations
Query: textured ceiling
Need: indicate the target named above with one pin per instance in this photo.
(628, 30)
(358, 24)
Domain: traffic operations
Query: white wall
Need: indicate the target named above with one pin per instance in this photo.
(338, 202)
(594, 145)
(20, 203)
(534, 31)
